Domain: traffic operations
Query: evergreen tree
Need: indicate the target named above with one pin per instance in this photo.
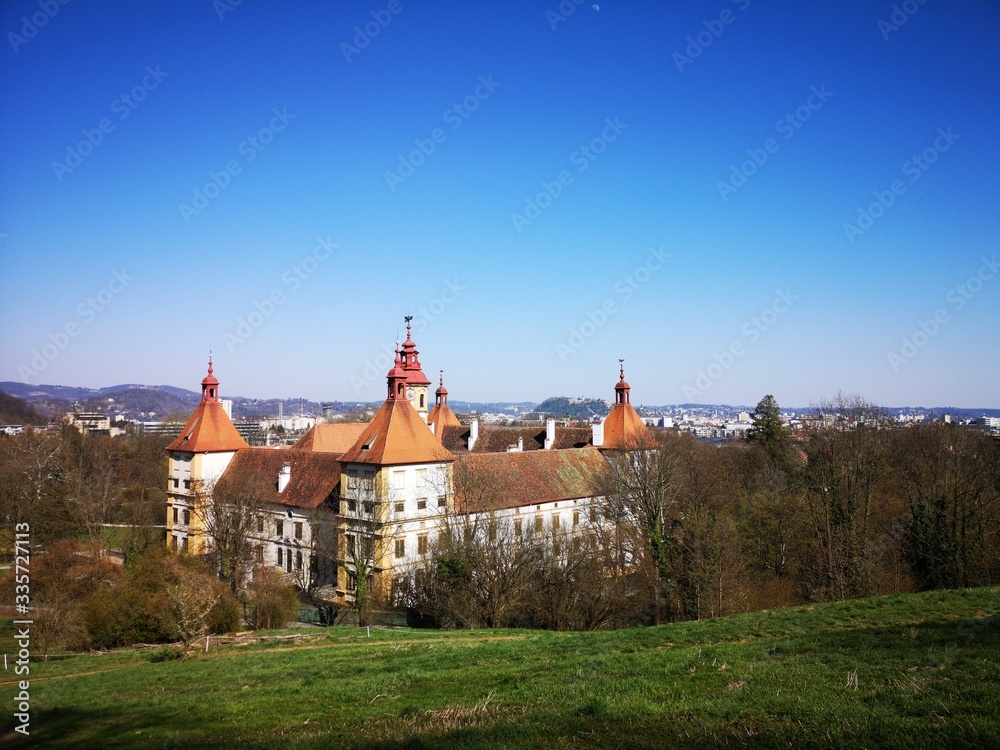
(767, 430)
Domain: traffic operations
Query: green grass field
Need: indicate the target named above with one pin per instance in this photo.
(908, 671)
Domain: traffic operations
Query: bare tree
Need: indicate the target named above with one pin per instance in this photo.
(950, 478)
(32, 485)
(229, 511)
(191, 597)
(846, 467)
(642, 496)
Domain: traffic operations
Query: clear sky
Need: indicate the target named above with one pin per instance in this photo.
(737, 198)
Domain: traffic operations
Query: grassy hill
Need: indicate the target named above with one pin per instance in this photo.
(906, 671)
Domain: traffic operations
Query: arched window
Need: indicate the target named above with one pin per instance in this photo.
(421, 401)
(281, 557)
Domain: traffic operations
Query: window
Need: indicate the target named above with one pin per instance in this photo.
(422, 503)
(576, 518)
(279, 528)
(421, 479)
(177, 483)
(352, 505)
(176, 512)
(493, 531)
(539, 523)
(555, 521)
(556, 548)
(593, 514)
(173, 541)
(368, 547)
(398, 480)
(187, 484)
(422, 544)
(288, 562)
(400, 548)
(298, 529)
(280, 556)
(421, 401)
(260, 524)
(441, 501)
(349, 544)
(369, 507)
(398, 507)
(298, 561)
(187, 516)
(517, 527)
(184, 545)
(352, 582)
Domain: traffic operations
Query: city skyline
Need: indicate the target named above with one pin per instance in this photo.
(737, 200)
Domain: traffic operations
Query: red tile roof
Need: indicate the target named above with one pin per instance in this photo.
(442, 416)
(314, 476)
(509, 480)
(331, 438)
(624, 429)
(396, 435)
(495, 439)
(208, 430)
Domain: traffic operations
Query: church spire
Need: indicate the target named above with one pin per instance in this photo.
(210, 384)
(441, 394)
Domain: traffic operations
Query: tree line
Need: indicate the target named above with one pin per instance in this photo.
(688, 530)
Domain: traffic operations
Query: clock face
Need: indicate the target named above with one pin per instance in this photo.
(409, 393)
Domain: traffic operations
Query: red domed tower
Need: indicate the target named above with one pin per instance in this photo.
(623, 429)
(416, 382)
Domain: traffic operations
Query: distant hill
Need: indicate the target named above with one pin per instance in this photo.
(14, 410)
(576, 408)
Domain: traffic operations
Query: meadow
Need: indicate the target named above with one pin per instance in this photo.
(904, 671)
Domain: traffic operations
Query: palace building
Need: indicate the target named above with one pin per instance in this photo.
(372, 498)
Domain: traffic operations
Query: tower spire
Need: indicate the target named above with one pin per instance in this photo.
(210, 384)
(623, 388)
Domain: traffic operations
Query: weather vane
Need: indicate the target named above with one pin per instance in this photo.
(407, 318)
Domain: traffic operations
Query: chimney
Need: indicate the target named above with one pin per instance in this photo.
(598, 434)
(516, 448)
(284, 477)
(550, 433)
(473, 433)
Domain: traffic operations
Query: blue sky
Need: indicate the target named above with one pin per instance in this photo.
(736, 198)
